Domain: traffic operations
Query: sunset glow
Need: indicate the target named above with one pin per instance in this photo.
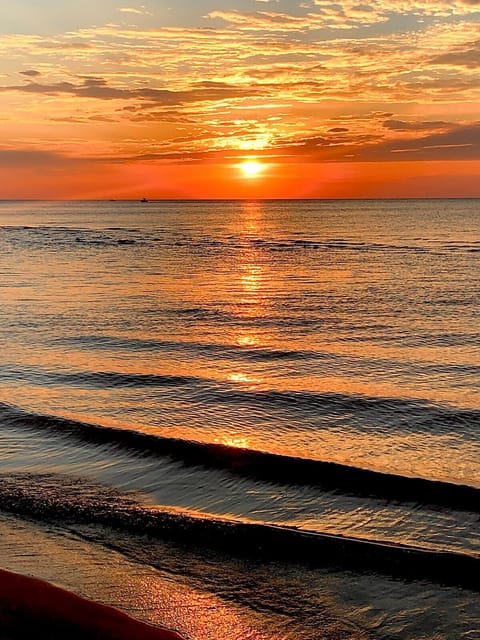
(338, 99)
(251, 168)
(240, 365)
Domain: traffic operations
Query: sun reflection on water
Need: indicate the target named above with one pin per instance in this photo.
(238, 442)
(250, 284)
(247, 284)
(251, 278)
(248, 340)
(243, 377)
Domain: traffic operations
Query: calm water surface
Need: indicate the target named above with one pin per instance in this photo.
(203, 362)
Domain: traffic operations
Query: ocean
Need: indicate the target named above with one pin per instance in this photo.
(246, 419)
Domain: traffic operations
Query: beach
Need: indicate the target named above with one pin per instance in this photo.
(242, 419)
(31, 606)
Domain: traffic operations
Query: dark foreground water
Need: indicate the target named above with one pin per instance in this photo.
(246, 419)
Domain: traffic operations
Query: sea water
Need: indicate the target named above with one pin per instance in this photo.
(273, 405)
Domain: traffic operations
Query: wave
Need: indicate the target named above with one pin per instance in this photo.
(397, 414)
(109, 236)
(265, 354)
(66, 501)
(216, 349)
(261, 465)
(95, 379)
(262, 354)
(449, 339)
(67, 237)
(319, 244)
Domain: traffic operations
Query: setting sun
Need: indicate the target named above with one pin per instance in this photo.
(247, 234)
(251, 168)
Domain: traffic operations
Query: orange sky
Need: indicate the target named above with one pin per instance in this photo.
(167, 100)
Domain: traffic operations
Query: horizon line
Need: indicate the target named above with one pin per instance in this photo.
(156, 200)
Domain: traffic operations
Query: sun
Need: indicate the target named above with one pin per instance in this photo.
(251, 168)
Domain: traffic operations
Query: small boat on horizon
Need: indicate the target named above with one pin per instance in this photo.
(143, 200)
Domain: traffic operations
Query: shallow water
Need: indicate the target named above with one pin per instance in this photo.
(277, 337)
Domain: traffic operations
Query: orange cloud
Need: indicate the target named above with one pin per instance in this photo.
(332, 83)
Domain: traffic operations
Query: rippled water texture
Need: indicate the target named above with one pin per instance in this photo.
(300, 366)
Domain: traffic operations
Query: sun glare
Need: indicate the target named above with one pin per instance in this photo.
(251, 168)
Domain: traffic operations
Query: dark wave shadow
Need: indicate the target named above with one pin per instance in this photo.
(270, 467)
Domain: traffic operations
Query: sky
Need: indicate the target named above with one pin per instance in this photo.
(170, 99)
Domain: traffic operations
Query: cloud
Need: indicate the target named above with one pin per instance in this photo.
(401, 125)
(270, 82)
(459, 143)
(26, 158)
(440, 8)
(331, 17)
(97, 88)
(138, 11)
(31, 73)
(467, 56)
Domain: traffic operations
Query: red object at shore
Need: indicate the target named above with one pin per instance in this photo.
(30, 606)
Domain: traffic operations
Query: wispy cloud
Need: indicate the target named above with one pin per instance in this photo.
(97, 88)
(142, 11)
(467, 55)
(324, 82)
(31, 73)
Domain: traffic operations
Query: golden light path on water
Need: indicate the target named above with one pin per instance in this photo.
(249, 286)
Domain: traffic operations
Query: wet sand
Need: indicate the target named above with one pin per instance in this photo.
(29, 606)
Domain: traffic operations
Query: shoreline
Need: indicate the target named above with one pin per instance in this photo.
(29, 605)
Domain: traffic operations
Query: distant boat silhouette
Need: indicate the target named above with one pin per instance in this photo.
(143, 200)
